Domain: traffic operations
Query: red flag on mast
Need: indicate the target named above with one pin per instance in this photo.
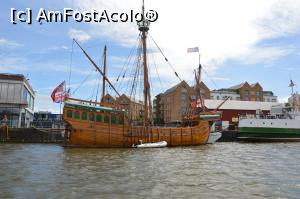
(59, 93)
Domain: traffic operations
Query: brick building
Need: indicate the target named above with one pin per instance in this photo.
(171, 105)
(244, 92)
(136, 108)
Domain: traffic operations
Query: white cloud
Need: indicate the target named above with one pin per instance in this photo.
(79, 35)
(45, 103)
(9, 43)
(263, 55)
(14, 63)
(222, 29)
(221, 78)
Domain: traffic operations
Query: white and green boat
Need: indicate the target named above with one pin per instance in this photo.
(282, 124)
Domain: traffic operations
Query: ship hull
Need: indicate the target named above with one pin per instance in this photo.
(275, 130)
(88, 126)
(81, 135)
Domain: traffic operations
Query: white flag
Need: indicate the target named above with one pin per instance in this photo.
(192, 50)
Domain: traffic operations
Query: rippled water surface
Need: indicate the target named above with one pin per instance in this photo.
(223, 170)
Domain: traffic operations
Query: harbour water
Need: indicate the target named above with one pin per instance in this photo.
(222, 170)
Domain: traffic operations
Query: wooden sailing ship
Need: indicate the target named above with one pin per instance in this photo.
(99, 124)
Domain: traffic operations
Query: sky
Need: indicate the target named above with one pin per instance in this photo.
(239, 40)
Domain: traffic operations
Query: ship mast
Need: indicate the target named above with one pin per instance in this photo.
(104, 71)
(143, 28)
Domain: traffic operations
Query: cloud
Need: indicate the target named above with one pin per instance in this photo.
(263, 55)
(45, 103)
(223, 30)
(9, 43)
(79, 35)
(221, 78)
(9, 62)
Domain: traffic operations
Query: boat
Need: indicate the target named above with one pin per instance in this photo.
(213, 137)
(107, 125)
(282, 124)
(151, 145)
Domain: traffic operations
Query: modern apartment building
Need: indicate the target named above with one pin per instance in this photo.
(16, 100)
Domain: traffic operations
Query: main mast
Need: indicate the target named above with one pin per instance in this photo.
(144, 27)
(104, 71)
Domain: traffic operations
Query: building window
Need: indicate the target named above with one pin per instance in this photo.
(257, 94)
(92, 117)
(84, 116)
(98, 118)
(106, 119)
(77, 115)
(69, 114)
(246, 93)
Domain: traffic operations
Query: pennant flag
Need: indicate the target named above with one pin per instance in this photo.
(59, 94)
(193, 50)
(292, 84)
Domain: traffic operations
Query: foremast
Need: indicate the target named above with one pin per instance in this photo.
(143, 28)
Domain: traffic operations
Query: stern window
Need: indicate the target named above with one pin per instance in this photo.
(69, 114)
(113, 119)
(105, 119)
(84, 116)
(98, 118)
(121, 120)
(77, 115)
(92, 117)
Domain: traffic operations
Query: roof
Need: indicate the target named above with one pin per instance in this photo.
(240, 105)
(237, 86)
(268, 93)
(90, 107)
(174, 87)
(9, 76)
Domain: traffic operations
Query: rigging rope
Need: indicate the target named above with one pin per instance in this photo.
(71, 61)
(166, 59)
(154, 63)
(210, 78)
(86, 78)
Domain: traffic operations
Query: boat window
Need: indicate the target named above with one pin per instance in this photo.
(106, 119)
(69, 114)
(77, 115)
(113, 119)
(121, 120)
(98, 118)
(84, 116)
(92, 117)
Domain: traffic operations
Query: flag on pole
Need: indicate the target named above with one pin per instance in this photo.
(292, 84)
(59, 93)
(193, 50)
(198, 104)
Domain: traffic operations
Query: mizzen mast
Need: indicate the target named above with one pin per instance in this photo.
(143, 28)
